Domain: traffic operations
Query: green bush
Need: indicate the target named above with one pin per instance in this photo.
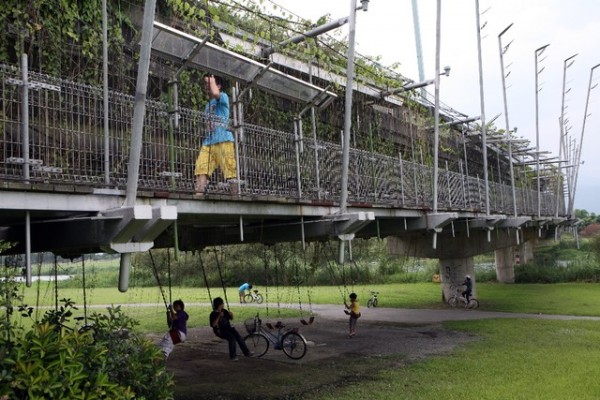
(574, 271)
(51, 363)
(53, 360)
(594, 245)
(131, 361)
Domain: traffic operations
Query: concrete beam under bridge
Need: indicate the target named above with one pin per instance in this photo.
(193, 237)
(456, 244)
(359, 224)
(119, 230)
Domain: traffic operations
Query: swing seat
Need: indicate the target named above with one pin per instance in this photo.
(175, 336)
(309, 322)
(278, 325)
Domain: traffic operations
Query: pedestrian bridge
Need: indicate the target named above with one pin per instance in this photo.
(88, 169)
(70, 200)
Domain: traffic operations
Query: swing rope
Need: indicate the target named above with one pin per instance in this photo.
(277, 292)
(169, 276)
(205, 278)
(55, 282)
(311, 319)
(266, 265)
(85, 316)
(221, 277)
(298, 281)
(160, 287)
(333, 275)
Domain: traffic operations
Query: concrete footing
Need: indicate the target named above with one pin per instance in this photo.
(452, 273)
(505, 265)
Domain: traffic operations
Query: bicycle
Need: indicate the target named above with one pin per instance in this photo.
(457, 298)
(253, 296)
(259, 339)
(373, 300)
(62, 326)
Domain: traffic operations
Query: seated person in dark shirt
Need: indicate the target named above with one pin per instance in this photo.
(220, 321)
(178, 330)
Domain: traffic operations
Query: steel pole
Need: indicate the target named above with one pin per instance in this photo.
(348, 107)
(137, 129)
(105, 92)
(313, 124)
(483, 123)
(25, 113)
(578, 158)
(508, 137)
(436, 114)
(417, 28)
(561, 139)
(538, 52)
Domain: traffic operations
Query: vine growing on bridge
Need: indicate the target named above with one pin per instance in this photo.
(64, 39)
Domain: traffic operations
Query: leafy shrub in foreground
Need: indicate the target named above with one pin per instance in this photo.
(52, 360)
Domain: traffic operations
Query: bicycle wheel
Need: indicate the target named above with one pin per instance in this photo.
(473, 304)
(452, 301)
(248, 298)
(259, 298)
(257, 343)
(374, 302)
(294, 345)
(370, 303)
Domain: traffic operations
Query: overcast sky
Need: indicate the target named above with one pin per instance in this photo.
(570, 27)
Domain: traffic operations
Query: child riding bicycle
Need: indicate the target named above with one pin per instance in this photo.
(468, 283)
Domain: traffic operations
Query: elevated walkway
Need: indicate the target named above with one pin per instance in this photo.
(287, 192)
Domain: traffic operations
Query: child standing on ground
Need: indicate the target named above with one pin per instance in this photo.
(353, 310)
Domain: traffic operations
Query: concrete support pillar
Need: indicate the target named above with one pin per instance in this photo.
(505, 265)
(452, 273)
(526, 252)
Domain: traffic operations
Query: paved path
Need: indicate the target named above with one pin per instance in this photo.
(426, 316)
(399, 315)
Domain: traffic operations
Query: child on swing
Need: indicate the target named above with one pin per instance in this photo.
(353, 310)
(220, 320)
(178, 329)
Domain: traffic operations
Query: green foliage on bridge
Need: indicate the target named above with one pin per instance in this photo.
(64, 39)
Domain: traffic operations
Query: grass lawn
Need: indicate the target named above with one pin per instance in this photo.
(512, 358)
(515, 359)
(563, 298)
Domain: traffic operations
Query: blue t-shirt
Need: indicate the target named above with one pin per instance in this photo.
(218, 112)
(181, 322)
(245, 286)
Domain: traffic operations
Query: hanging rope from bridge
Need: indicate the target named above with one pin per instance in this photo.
(205, 277)
(266, 266)
(311, 319)
(160, 287)
(333, 274)
(221, 278)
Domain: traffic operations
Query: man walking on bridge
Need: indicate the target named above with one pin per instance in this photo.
(218, 145)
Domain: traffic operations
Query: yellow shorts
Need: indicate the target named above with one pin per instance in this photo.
(220, 155)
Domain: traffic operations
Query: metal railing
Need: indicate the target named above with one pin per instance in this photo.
(66, 146)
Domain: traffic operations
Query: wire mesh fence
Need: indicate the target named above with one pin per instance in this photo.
(67, 144)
